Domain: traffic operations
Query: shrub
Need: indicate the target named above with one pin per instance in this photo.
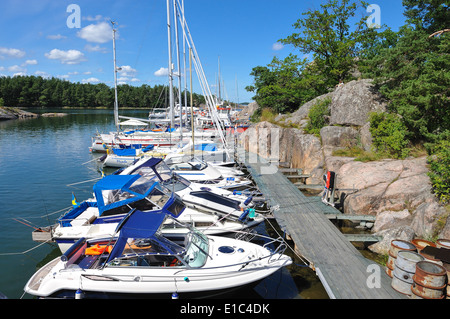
(317, 115)
(440, 170)
(389, 134)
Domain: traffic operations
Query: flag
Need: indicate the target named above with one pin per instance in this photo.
(74, 201)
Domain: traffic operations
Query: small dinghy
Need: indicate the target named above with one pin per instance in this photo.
(142, 261)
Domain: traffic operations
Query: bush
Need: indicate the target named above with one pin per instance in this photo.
(440, 170)
(389, 134)
(317, 115)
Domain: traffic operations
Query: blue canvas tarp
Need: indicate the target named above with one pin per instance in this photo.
(107, 187)
(77, 211)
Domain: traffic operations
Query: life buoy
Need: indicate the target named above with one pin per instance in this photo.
(98, 249)
(203, 114)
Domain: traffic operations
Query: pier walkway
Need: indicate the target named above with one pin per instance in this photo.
(343, 271)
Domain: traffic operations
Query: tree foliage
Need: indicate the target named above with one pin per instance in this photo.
(35, 91)
(284, 85)
(327, 34)
(414, 74)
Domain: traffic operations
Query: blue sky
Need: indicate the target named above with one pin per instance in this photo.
(36, 40)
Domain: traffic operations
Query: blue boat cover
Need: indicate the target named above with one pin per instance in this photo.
(117, 183)
(136, 224)
(211, 147)
(77, 211)
(152, 162)
(125, 152)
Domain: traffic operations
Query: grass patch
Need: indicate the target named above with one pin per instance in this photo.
(359, 154)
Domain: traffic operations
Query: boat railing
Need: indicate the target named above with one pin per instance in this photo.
(278, 251)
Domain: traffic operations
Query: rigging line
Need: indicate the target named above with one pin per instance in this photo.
(90, 180)
(29, 217)
(26, 251)
(302, 258)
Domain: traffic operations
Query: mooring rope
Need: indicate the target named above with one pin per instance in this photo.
(26, 251)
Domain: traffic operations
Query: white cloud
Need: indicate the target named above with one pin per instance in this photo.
(2, 68)
(162, 72)
(90, 80)
(20, 74)
(277, 46)
(97, 48)
(16, 68)
(127, 71)
(11, 53)
(98, 17)
(87, 73)
(66, 57)
(30, 62)
(56, 37)
(43, 74)
(97, 33)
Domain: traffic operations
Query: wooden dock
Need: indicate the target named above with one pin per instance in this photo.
(343, 271)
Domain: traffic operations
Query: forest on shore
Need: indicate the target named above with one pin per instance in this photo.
(39, 92)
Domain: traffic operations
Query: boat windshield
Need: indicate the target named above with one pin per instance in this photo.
(141, 186)
(149, 252)
(197, 250)
(198, 165)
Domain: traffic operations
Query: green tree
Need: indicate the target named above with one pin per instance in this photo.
(414, 74)
(334, 44)
(284, 85)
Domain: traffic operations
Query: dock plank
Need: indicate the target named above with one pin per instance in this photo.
(344, 272)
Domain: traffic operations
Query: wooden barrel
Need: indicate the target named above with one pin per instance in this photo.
(422, 243)
(443, 243)
(429, 280)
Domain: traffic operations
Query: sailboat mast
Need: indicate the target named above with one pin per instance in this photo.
(169, 37)
(175, 13)
(116, 103)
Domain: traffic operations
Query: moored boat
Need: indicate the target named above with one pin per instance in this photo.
(142, 261)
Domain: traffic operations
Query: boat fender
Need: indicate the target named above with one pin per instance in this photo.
(248, 200)
(79, 294)
(186, 279)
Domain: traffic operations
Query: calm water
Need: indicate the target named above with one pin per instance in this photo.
(39, 158)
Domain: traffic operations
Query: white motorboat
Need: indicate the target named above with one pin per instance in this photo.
(142, 261)
(123, 157)
(207, 198)
(116, 195)
(200, 172)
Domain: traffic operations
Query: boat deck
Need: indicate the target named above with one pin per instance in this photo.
(344, 272)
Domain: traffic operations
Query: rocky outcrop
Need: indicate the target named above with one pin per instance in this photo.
(397, 192)
(247, 111)
(351, 103)
(12, 113)
(286, 145)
